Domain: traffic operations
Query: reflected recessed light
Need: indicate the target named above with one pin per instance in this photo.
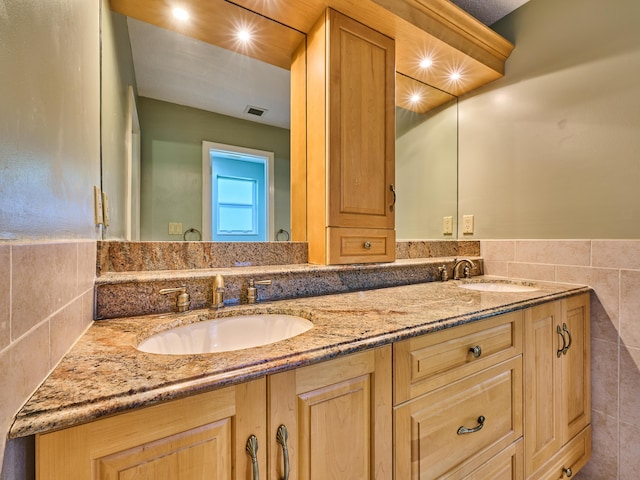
(180, 13)
(426, 63)
(244, 35)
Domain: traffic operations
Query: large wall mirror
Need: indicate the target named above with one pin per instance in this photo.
(168, 87)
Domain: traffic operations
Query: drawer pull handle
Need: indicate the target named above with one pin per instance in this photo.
(252, 450)
(464, 430)
(281, 438)
(367, 246)
(476, 351)
(393, 190)
(562, 349)
(567, 471)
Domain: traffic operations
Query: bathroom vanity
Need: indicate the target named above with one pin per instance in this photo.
(419, 381)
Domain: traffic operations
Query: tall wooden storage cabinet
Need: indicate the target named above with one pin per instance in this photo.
(351, 142)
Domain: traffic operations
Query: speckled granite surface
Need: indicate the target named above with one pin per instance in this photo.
(119, 256)
(105, 374)
(137, 293)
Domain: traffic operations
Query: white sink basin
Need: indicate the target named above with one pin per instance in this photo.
(498, 287)
(226, 334)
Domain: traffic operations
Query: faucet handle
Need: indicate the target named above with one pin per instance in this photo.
(252, 291)
(218, 292)
(183, 301)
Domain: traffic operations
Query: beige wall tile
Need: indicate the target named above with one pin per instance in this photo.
(558, 252)
(629, 451)
(498, 269)
(66, 326)
(604, 377)
(87, 252)
(616, 254)
(630, 385)
(22, 367)
(44, 279)
(605, 301)
(88, 308)
(630, 308)
(604, 456)
(532, 271)
(5, 295)
(498, 250)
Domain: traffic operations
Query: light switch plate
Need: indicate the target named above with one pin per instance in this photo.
(97, 206)
(467, 224)
(105, 209)
(175, 228)
(447, 225)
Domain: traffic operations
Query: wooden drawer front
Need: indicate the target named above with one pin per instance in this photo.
(360, 245)
(506, 465)
(574, 455)
(424, 363)
(428, 444)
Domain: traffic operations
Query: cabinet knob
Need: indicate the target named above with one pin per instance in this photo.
(476, 351)
(367, 245)
(567, 471)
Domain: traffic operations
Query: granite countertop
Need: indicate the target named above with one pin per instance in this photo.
(105, 374)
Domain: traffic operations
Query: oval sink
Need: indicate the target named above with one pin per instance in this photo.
(498, 287)
(226, 334)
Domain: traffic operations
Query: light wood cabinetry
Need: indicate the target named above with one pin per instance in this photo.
(557, 388)
(458, 402)
(338, 417)
(200, 437)
(350, 142)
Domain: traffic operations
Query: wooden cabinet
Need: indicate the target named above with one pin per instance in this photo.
(458, 402)
(557, 387)
(338, 418)
(200, 437)
(350, 142)
(337, 415)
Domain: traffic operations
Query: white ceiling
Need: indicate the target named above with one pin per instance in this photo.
(185, 71)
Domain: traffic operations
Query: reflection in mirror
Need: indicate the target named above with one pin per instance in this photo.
(189, 91)
(426, 160)
(155, 171)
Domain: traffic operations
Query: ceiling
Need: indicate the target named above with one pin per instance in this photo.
(179, 69)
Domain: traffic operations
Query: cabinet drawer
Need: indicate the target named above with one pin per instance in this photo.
(360, 245)
(506, 465)
(424, 363)
(574, 455)
(429, 438)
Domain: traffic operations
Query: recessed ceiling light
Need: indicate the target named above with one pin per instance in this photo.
(426, 63)
(415, 98)
(455, 76)
(244, 35)
(181, 14)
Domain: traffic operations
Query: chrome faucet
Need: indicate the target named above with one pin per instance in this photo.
(466, 271)
(252, 291)
(182, 301)
(218, 292)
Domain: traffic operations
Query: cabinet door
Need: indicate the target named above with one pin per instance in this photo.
(200, 437)
(338, 419)
(361, 125)
(543, 381)
(576, 366)
(557, 377)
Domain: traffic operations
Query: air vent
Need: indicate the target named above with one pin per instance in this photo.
(257, 111)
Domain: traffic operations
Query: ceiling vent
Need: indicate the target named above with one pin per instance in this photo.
(257, 111)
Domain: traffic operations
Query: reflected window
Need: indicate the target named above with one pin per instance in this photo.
(236, 206)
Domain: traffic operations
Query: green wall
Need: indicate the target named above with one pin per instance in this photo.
(171, 163)
(552, 150)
